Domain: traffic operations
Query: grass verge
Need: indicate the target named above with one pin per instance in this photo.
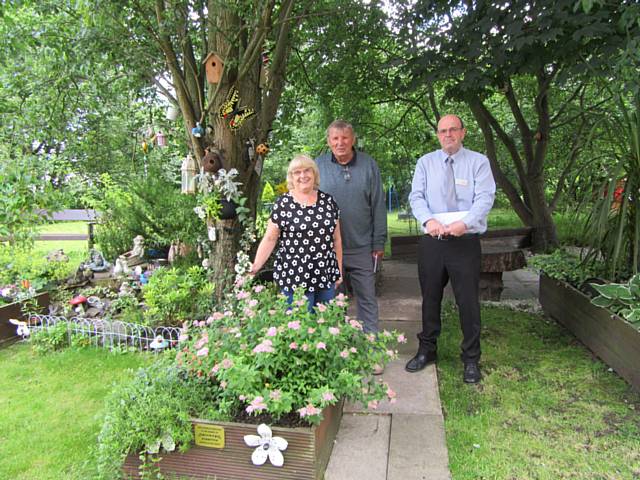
(546, 408)
(50, 409)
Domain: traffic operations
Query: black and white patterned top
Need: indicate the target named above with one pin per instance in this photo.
(306, 257)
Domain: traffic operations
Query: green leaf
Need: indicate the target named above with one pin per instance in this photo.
(602, 302)
(613, 291)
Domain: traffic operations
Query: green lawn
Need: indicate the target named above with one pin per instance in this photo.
(50, 408)
(546, 409)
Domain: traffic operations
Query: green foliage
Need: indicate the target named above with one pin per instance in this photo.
(271, 358)
(621, 298)
(613, 226)
(150, 205)
(561, 265)
(174, 296)
(268, 193)
(50, 339)
(152, 414)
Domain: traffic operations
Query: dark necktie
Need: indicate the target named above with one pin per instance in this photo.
(450, 186)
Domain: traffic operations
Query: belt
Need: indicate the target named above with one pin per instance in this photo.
(465, 236)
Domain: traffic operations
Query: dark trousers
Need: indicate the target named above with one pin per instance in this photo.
(456, 259)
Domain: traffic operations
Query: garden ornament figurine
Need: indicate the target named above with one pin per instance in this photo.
(23, 328)
(131, 258)
(97, 263)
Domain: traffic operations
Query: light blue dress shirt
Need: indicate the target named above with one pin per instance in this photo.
(475, 187)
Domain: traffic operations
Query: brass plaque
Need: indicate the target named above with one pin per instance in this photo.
(211, 436)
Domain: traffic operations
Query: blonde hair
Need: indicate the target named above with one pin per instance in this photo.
(303, 161)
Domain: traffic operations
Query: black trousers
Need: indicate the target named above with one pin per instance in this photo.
(456, 259)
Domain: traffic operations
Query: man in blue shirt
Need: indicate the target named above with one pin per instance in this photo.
(452, 193)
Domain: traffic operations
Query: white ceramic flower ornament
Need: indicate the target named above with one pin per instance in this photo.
(267, 445)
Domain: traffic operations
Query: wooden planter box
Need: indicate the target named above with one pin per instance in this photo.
(305, 458)
(613, 340)
(14, 310)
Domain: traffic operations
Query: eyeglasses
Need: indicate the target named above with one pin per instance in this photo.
(444, 131)
(346, 174)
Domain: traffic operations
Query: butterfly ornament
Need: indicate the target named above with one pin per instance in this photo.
(232, 113)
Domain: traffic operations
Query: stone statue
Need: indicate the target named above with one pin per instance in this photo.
(131, 258)
(97, 263)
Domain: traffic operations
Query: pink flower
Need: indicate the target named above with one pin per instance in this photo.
(203, 352)
(272, 332)
(321, 307)
(256, 405)
(334, 330)
(264, 347)
(341, 296)
(253, 302)
(353, 350)
(241, 295)
(272, 312)
(293, 346)
(223, 384)
(355, 324)
(391, 353)
(371, 337)
(183, 337)
(249, 313)
(310, 330)
(308, 411)
(340, 303)
(373, 404)
(386, 333)
(295, 325)
(305, 347)
(390, 393)
(227, 363)
(258, 288)
(275, 395)
(300, 302)
(328, 396)
(321, 346)
(289, 312)
(242, 398)
(228, 313)
(344, 354)
(402, 338)
(321, 320)
(215, 369)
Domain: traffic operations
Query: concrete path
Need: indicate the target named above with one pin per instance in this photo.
(405, 440)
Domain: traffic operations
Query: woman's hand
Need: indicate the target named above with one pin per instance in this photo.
(339, 281)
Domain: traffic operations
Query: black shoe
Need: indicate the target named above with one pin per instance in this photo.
(420, 361)
(472, 373)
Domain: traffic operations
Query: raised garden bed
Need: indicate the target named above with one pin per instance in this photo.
(14, 310)
(305, 458)
(614, 341)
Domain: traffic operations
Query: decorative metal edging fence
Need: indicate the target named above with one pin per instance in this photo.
(109, 334)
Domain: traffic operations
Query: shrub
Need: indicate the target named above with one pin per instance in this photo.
(174, 296)
(151, 206)
(151, 413)
(270, 358)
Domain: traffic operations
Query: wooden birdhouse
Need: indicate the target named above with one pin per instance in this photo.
(213, 65)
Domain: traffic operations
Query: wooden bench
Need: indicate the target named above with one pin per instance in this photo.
(502, 251)
(72, 215)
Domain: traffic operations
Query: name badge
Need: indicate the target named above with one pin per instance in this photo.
(463, 182)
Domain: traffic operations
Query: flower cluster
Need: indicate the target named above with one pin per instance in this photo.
(270, 357)
(16, 293)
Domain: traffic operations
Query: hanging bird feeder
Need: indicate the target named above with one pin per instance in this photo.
(213, 65)
(188, 170)
(161, 139)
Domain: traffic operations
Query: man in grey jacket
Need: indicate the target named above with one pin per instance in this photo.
(353, 179)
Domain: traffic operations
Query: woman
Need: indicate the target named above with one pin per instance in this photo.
(305, 223)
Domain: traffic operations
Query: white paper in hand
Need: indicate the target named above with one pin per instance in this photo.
(447, 218)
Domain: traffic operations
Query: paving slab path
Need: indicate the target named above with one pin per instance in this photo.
(405, 440)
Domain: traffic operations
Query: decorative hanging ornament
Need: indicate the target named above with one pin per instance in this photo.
(262, 149)
(211, 231)
(197, 131)
(145, 147)
(188, 171)
(267, 446)
(230, 111)
(161, 139)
